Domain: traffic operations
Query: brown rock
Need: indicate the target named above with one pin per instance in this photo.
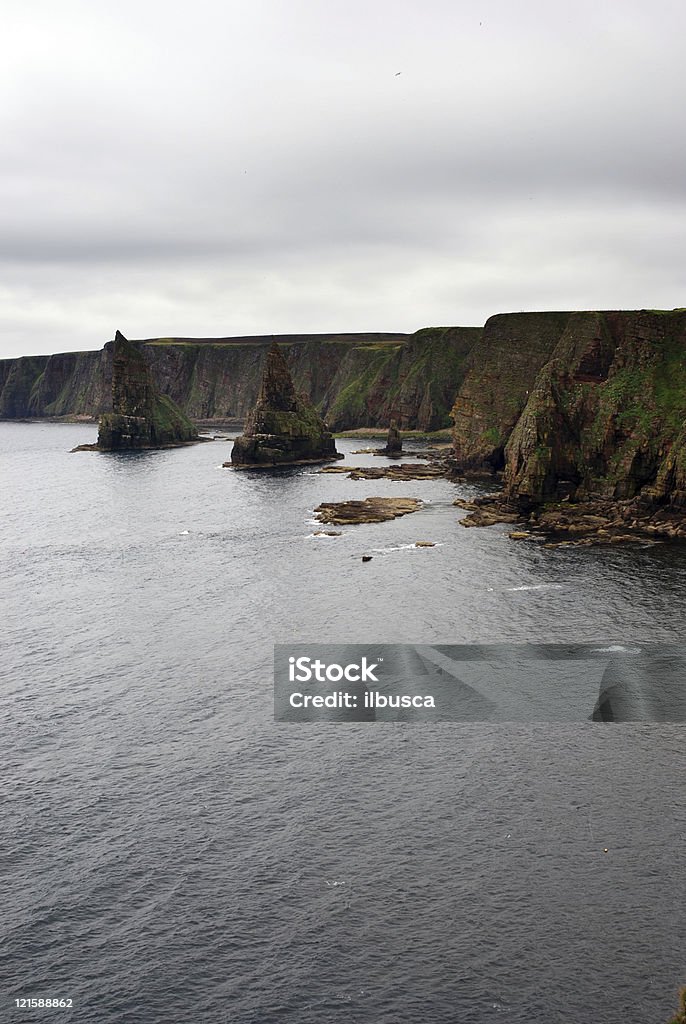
(371, 510)
(141, 417)
(405, 471)
(394, 444)
(283, 428)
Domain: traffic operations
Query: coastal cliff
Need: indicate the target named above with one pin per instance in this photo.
(606, 415)
(568, 405)
(498, 375)
(353, 380)
(590, 434)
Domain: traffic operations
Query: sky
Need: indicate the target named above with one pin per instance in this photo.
(231, 167)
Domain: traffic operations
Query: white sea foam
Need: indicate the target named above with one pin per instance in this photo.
(402, 547)
(537, 586)
(616, 649)
(398, 547)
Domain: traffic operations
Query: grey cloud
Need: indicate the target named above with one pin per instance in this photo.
(246, 167)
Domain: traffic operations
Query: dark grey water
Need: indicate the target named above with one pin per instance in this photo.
(170, 854)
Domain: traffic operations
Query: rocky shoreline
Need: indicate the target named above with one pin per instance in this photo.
(595, 521)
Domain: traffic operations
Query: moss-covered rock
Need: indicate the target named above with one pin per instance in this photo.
(498, 375)
(284, 427)
(413, 382)
(140, 417)
(606, 415)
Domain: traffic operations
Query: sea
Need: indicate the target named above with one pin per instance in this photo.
(169, 853)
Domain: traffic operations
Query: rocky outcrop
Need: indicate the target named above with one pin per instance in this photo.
(284, 428)
(370, 510)
(394, 444)
(579, 524)
(140, 417)
(404, 471)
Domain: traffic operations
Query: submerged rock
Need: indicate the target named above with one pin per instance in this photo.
(371, 510)
(141, 417)
(284, 428)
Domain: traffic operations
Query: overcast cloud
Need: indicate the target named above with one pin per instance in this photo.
(264, 166)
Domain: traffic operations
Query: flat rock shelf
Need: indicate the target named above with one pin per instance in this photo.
(370, 510)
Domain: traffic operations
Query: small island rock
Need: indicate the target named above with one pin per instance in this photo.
(371, 510)
(141, 417)
(284, 428)
(394, 444)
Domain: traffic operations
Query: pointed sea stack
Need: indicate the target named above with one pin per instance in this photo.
(394, 444)
(284, 428)
(140, 417)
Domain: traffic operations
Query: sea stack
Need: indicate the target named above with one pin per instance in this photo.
(284, 428)
(394, 444)
(141, 417)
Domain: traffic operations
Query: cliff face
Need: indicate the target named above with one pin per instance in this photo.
(413, 383)
(69, 383)
(353, 380)
(499, 373)
(578, 405)
(606, 415)
(284, 426)
(18, 378)
(140, 417)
